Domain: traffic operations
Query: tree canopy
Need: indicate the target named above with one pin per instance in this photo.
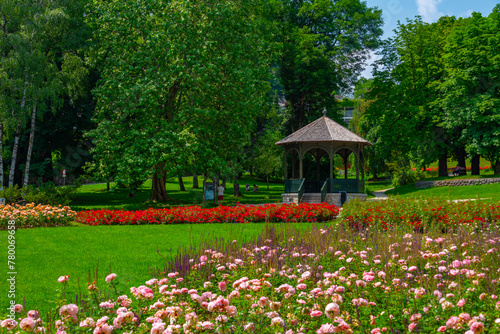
(179, 78)
(435, 93)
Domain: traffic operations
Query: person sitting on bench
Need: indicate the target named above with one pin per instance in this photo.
(459, 171)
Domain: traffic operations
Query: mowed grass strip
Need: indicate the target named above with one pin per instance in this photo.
(484, 191)
(95, 196)
(44, 254)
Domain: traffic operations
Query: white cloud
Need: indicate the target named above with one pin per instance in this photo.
(467, 13)
(367, 73)
(428, 10)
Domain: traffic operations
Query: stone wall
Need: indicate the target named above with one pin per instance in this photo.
(331, 198)
(290, 198)
(334, 198)
(455, 183)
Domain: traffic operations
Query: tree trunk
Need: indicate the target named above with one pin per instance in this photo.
(30, 147)
(15, 148)
(1, 155)
(475, 164)
(496, 171)
(237, 191)
(195, 180)
(224, 182)
(181, 182)
(158, 190)
(267, 177)
(460, 155)
(443, 164)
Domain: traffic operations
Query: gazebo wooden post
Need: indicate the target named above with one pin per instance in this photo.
(357, 162)
(301, 164)
(346, 159)
(331, 165)
(318, 161)
(286, 166)
(362, 164)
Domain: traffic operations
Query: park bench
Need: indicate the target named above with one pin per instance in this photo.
(459, 171)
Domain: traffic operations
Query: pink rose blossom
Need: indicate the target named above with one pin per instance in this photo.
(27, 324)
(110, 278)
(63, 279)
(316, 313)
(9, 324)
(412, 326)
(477, 327)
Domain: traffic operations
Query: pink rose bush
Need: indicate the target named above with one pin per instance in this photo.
(326, 280)
(31, 215)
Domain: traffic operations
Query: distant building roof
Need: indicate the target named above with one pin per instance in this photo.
(323, 129)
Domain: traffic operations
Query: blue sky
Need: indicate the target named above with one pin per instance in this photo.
(430, 10)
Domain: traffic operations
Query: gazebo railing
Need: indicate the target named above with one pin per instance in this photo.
(324, 191)
(347, 185)
(292, 186)
(295, 186)
(329, 186)
(302, 188)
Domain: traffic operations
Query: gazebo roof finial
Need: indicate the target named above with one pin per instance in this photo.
(324, 112)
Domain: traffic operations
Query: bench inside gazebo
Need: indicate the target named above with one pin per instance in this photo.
(323, 138)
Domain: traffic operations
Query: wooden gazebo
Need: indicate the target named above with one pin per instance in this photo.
(323, 137)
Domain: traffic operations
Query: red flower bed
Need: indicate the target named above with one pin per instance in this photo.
(223, 214)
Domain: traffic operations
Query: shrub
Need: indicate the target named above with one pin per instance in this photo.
(32, 215)
(47, 194)
(402, 174)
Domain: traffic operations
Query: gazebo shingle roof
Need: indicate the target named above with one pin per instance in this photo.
(323, 129)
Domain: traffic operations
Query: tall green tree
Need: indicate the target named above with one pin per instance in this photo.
(39, 66)
(178, 78)
(471, 91)
(405, 115)
(325, 45)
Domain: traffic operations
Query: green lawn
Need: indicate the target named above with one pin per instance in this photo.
(44, 254)
(371, 186)
(486, 191)
(94, 196)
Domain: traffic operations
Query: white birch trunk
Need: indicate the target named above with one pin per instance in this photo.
(30, 148)
(15, 148)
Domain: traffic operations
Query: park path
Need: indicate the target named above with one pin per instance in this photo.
(380, 194)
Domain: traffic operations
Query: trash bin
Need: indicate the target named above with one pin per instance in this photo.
(343, 197)
(209, 191)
